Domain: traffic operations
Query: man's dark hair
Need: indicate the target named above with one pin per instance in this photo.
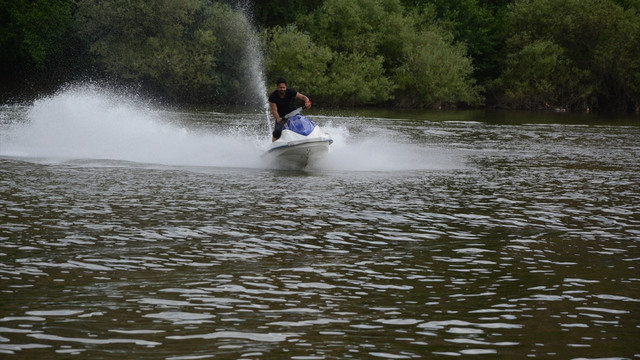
(281, 81)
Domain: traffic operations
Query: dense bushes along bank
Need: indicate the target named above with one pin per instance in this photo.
(529, 54)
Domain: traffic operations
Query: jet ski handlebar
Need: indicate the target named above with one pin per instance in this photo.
(294, 113)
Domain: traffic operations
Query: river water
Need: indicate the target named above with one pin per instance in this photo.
(132, 232)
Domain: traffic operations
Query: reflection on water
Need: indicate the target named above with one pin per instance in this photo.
(508, 241)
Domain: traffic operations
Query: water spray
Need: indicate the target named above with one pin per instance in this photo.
(254, 56)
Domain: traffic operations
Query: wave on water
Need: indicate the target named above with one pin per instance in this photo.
(381, 151)
(88, 124)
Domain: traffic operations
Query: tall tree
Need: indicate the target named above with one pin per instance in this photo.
(585, 53)
(479, 24)
(379, 54)
(36, 40)
(272, 13)
(189, 50)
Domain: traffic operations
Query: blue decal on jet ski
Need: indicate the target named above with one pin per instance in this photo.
(300, 124)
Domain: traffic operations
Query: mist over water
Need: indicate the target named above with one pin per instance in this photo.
(86, 122)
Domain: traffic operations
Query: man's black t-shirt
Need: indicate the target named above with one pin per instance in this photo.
(286, 105)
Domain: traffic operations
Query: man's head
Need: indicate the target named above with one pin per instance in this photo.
(281, 86)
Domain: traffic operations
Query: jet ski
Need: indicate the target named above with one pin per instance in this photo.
(301, 144)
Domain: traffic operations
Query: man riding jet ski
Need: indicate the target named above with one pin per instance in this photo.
(297, 141)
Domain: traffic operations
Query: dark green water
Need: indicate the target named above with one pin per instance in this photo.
(132, 233)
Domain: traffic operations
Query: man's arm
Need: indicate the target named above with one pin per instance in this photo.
(307, 102)
(274, 111)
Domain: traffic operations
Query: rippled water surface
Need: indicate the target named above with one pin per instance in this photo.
(127, 232)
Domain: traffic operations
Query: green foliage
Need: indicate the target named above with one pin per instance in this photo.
(327, 76)
(272, 13)
(166, 44)
(380, 53)
(478, 24)
(589, 51)
(419, 53)
(541, 74)
(34, 32)
(190, 50)
(307, 69)
(368, 27)
(435, 74)
(356, 79)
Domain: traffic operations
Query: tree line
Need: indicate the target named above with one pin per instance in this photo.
(577, 55)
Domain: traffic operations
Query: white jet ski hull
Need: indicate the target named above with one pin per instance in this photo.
(296, 151)
(299, 156)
